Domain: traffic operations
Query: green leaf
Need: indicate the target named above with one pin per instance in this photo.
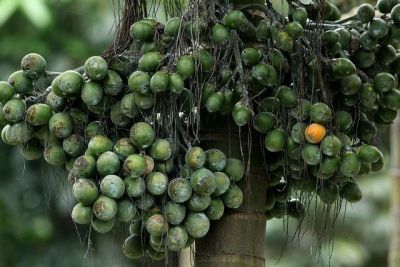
(281, 6)
(7, 8)
(37, 12)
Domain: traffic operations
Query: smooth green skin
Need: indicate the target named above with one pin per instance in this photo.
(124, 148)
(14, 110)
(73, 145)
(395, 14)
(387, 115)
(144, 102)
(105, 208)
(350, 85)
(21, 83)
(150, 61)
(250, 56)
(84, 166)
(180, 190)
(56, 102)
(222, 182)
(378, 28)
(112, 186)
(85, 191)
(294, 29)
(157, 225)
(158, 243)
(54, 155)
(263, 30)
(369, 97)
(172, 26)
(311, 154)
(117, 117)
(331, 145)
(92, 93)
(102, 227)
(145, 202)
(384, 82)
(139, 82)
(320, 113)
(368, 153)
(33, 65)
(185, 66)
(297, 132)
(38, 114)
(32, 150)
(216, 209)
(135, 228)
(215, 160)
(343, 120)
(264, 74)
(133, 247)
(142, 31)
(364, 58)
(342, 67)
(93, 129)
(387, 54)
(214, 102)
(81, 214)
(113, 83)
(126, 211)
(365, 13)
(241, 114)
(134, 166)
(100, 144)
(331, 38)
(197, 224)
(70, 82)
(270, 104)
(235, 169)
(175, 212)
(198, 203)
(128, 106)
(264, 121)
(392, 99)
(164, 166)
(329, 165)
(206, 60)
(236, 20)
(195, 158)
(329, 193)
(96, 68)
(208, 89)
(176, 83)
(350, 164)
(203, 182)
(177, 238)
(275, 140)
(351, 192)
(134, 187)
(161, 150)
(300, 15)
(233, 198)
(367, 42)
(20, 132)
(219, 34)
(6, 91)
(157, 183)
(142, 135)
(61, 125)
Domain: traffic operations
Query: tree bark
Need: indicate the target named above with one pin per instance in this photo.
(238, 238)
(394, 250)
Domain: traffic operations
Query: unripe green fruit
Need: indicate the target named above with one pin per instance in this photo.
(177, 238)
(149, 62)
(198, 203)
(284, 41)
(331, 145)
(365, 13)
(350, 85)
(73, 145)
(344, 120)
(38, 114)
(214, 102)
(92, 93)
(222, 182)
(113, 83)
(287, 97)
(54, 154)
(126, 211)
(6, 91)
(157, 183)
(392, 99)
(61, 125)
(102, 227)
(93, 128)
(300, 15)
(203, 182)
(145, 202)
(179, 190)
(124, 148)
(368, 96)
(164, 166)
(206, 60)
(56, 102)
(384, 82)
(172, 26)
(263, 30)
(14, 110)
(351, 192)
(216, 209)
(112, 186)
(215, 160)
(135, 187)
(342, 67)
(144, 102)
(142, 31)
(96, 68)
(378, 28)
(156, 225)
(241, 114)
(117, 117)
(128, 106)
(70, 82)
(105, 208)
(139, 82)
(176, 83)
(219, 34)
(275, 140)
(320, 113)
(235, 19)
(100, 144)
(195, 158)
(386, 54)
(385, 6)
(311, 154)
(21, 83)
(159, 81)
(350, 164)
(81, 214)
(197, 224)
(33, 65)
(175, 212)
(329, 165)
(142, 135)
(107, 163)
(368, 153)
(84, 166)
(235, 169)
(134, 166)
(367, 42)
(185, 66)
(264, 74)
(233, 198)
(31, 150)
(161, 150)
(294, 29)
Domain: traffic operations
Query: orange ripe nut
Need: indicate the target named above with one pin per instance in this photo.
(314, 133)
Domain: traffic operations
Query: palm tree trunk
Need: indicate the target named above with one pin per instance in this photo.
(394, 250)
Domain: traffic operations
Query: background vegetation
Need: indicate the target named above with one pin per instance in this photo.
(35, 200)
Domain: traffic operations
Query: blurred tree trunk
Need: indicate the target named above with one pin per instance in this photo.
(394, 250)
